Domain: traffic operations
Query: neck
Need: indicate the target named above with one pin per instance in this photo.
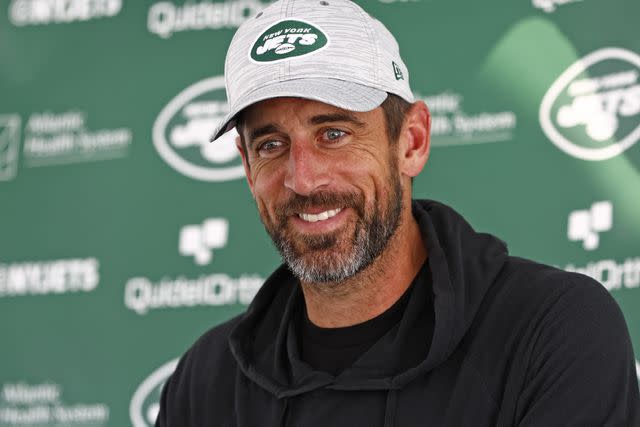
(373, 290)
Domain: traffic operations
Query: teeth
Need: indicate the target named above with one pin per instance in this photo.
(319, 217)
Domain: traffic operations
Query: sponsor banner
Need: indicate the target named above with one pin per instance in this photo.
(182, 130)
(60, 138)
(143, 295)
(451, 125)
(145, 403)
(592, 111)
(43, 12)
(165, 18)
(585, 225)
(9, 146)
(49, 277)
(612, 274)
(198, 241)
(23, 404)
(550, 6)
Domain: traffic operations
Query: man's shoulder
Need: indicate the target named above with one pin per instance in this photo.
(532, 279)
(212, 347)
(543, 299)
(202, 382)
(209, 357)
(565, 336)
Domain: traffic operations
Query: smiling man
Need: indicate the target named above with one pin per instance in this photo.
(330, 191)
(387, 311)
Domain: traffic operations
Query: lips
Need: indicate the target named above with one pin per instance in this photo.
(322, 216)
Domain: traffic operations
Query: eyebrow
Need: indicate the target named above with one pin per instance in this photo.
(336, 117)
(261, 131)
(315, 120)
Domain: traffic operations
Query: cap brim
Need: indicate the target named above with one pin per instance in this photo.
(339, 93)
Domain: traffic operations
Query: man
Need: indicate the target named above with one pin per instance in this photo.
(387, 311)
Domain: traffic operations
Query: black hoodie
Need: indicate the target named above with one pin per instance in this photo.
(514, 343)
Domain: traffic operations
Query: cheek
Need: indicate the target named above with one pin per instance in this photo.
(267, 189)
(374, 177)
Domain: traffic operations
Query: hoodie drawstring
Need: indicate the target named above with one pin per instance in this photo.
(390, 408)
(284, 414)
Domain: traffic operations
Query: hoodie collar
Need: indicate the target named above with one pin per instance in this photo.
(463, 265)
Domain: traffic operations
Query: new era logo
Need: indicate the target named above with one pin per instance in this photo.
(199, 240)
(397, 71)
(585, 225)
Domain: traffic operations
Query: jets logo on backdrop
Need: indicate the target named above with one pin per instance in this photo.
(551, 5)
(287, 39)
(145, 404)
(9, 144)
(182, 130)
(592, 111)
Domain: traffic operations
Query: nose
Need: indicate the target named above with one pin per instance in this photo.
(307, 169)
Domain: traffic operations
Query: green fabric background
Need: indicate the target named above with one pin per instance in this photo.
(100, 73)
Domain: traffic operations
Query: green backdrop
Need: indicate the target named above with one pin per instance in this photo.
(124, 235)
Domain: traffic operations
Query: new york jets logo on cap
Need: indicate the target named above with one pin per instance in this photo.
(287, 39)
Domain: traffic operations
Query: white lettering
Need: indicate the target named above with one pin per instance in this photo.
(444, 103)
(484, 122)
(50, 123)
(51, 277)
(270, 44)
(51, 138)
(598, 111)
(22, 393)
(272, 35)
(164, 18)
(608, 81)
(205, 109)
(441, 125)
(81, 413)
(41, 12)
(550, 5)
(308, 39)
(612, 275)
(25, 416)
(141, 295)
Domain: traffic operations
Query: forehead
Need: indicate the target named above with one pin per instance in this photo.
(287, 110)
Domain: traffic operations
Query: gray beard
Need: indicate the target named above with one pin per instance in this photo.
(371, 236)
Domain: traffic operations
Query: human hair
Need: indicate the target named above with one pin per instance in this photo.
(394, 108)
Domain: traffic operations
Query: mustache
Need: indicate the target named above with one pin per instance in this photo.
(297, 203)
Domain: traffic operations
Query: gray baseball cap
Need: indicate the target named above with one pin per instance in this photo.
(330, 51)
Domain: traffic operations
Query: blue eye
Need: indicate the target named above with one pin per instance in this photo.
(269, 145)
(269, 148)
(334, 134)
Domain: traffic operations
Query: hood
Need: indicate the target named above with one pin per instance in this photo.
(463, 265)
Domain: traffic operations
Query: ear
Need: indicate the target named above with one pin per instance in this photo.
(414, 142)
(245, 163)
